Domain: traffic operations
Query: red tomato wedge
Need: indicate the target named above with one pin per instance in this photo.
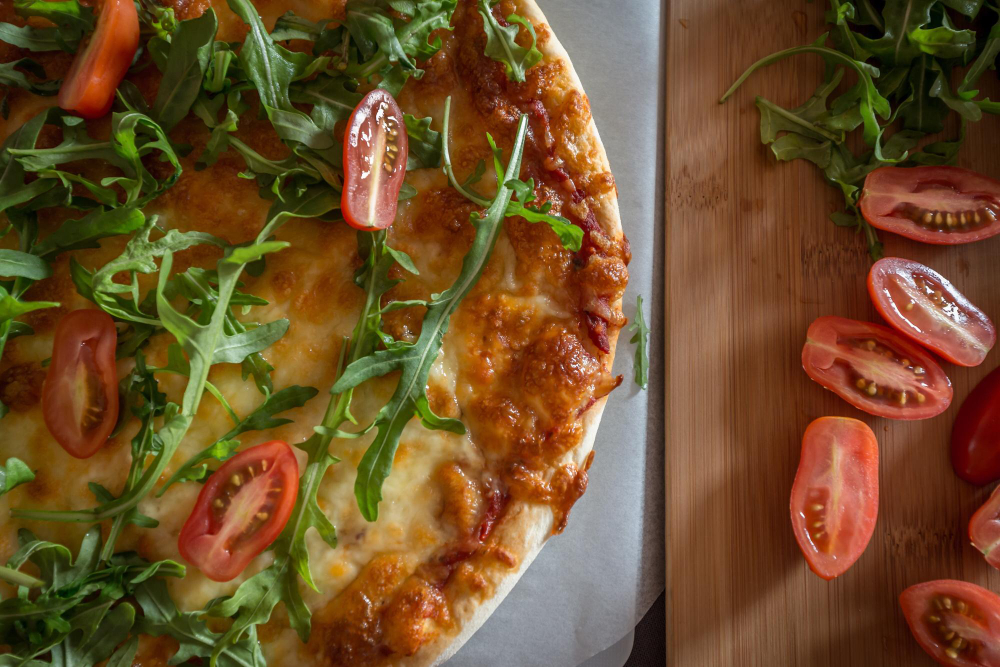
(975, 437)
(241, 510)
(922, 305)
(80, 392)
(875, 369)
(375, 153)
(984, 529)
(835, 495)
(956, 623)
(101, 64)
(940, 205)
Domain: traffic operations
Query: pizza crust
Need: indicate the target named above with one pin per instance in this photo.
(527, 526)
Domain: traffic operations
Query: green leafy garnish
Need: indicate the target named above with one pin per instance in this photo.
(641, 341)
(502, 46)
(72, 21)
(903, 56)
(187, 58)
(14, 473)
(78, 615)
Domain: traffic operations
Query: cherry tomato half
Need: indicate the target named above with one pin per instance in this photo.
(875, 369)
(922, 305)
(984, 529)
(89, 87)
(940, 205)
(975, 437)
(956, 623)
(835, 495)
(241, 510)
(375, 153)
(80, 392)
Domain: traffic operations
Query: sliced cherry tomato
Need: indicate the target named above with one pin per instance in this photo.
(984, 529)
(80, 392)
(975, 437)
(89, 87)
(875, 369)
(241, 510)
(375, 153)
(922, 305)
(835, 495)
(941, 205)
(956, 623)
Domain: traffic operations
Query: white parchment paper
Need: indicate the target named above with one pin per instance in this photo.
(591, 585)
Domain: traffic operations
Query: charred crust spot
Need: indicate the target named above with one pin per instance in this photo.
(21, 386)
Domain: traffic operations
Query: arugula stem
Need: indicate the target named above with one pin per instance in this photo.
(18, 578)
(446, 159)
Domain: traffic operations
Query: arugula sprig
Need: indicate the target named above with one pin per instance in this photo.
(519, 205)
(641, 341)
(501, 42)
(14, 473)
(903, 54)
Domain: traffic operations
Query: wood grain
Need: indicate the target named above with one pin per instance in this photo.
(751, 260)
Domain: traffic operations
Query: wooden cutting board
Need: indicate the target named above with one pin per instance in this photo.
(751, 260)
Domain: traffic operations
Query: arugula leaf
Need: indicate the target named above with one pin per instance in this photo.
(21, 264)
(502, 46)
(414, 362)
(191, 46)
(161, 617)
(641, 341)
(425, 143)
(13, 474)
(261, 419)
(391, 46)
(72, 21)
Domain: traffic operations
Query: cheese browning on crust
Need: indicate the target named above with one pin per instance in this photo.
(527, 356)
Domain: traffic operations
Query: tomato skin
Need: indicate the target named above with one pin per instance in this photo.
(972, 613)
(899, 199)
(89, 88)
(975, 437)
(83, 351)
(948, 324)
(839, 460)
(984, 529)
(836, 356)
(375, 139)
(215, 538)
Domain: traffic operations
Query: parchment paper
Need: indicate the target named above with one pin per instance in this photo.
(591, 585)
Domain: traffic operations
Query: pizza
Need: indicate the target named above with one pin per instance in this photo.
(307, 315)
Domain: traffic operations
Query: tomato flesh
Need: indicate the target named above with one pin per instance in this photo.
(956, 623)
(975, 437)
(875, 369)
(241, 510)
(89, 87)
(922, 305)
(940, 205)
(984, 529)
(376, 147)
(80, 392)
(834, 500)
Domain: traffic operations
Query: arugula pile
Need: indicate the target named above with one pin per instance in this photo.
(905, 56)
